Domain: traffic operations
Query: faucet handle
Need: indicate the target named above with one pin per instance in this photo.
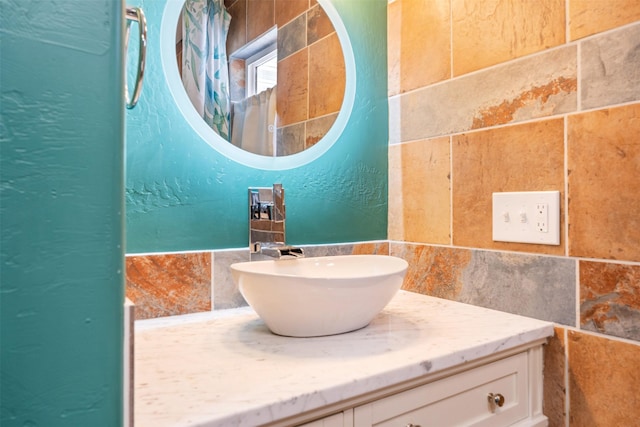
(267, 218)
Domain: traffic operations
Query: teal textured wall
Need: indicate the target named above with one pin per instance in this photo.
(61, 207)
(184, 195)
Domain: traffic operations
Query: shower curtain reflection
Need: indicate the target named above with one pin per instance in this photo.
(254, 123)
(205, 73)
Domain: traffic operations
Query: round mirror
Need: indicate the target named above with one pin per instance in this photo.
(290, 84)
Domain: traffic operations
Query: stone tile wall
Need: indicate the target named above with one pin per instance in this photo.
(490, 96)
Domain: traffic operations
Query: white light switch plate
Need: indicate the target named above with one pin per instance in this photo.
(527, 217)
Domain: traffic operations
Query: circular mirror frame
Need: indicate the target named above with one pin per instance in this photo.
(168, 27)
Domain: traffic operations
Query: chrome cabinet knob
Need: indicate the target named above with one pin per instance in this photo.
(412, 425)
(496, 399)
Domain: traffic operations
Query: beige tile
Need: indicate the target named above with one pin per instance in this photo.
(327, 77)
(554, 380)
(604, 380)
(379, 248)
(425, 56)
(491, 32)
(237, 36)
(292, 96)
(286, 10)
(420, 193)
(260, 17)
(604, 171)
(527, 157)
(395, 209)
(435, 271)
(610, 299)
(587, 17)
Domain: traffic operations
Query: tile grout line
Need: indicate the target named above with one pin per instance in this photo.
(451, 75)
(451, 190)
(602, 335)
(565, 230)
(577, 294)
(212, 292)
(567, 403)
(523, 122)
(579, 78)
(567, 22)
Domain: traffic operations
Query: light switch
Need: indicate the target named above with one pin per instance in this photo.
(536, 217)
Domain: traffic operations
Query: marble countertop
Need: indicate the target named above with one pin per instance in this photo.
(224, 368)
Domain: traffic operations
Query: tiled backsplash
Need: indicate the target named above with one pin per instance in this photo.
(169, 284)
(182, 283)
(492, 96)
(529, 285)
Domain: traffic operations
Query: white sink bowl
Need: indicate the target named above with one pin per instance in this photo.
(308, 297)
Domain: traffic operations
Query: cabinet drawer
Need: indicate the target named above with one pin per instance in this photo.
(335, 420)
(459, 400)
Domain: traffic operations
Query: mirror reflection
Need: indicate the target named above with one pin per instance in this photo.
(267, 76)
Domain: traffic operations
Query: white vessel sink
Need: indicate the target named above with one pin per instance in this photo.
(308, 297)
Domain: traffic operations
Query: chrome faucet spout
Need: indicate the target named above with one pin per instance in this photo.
(282, 252)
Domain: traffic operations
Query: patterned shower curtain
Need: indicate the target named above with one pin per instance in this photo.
(205, 73)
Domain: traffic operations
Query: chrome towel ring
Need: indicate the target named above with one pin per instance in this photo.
(136, 14)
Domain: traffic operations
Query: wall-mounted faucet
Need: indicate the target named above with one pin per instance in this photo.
(267, 232)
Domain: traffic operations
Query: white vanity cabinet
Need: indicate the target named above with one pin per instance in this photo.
(341, 419)
(423, 361)
(503, 391)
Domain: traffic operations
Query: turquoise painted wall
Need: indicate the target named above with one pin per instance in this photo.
(61, 207)
(184, 195)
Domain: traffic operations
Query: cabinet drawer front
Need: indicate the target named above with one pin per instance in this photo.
(459, 400)
(335, 420)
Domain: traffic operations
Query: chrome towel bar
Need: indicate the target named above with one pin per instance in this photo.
(136, 14)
